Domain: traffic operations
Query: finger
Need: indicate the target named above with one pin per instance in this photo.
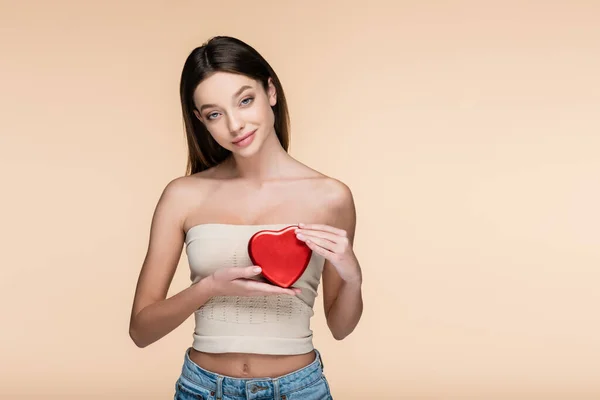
(323, 227)
(268, 288)
(326, 244)
(273, 290)
(300, 233)
(320, 250)
(245, 272)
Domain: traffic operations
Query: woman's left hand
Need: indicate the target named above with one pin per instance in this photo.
(333, 244)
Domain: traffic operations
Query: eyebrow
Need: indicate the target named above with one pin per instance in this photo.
(240, 90)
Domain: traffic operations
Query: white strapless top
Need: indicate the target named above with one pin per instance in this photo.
(272, 324)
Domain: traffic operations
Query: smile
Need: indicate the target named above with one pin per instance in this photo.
(245, 140)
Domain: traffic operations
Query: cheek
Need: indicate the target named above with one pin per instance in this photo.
(219, 133)
(261, 115)
(267, 115)
(258, 113)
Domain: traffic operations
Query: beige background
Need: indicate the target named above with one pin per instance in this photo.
(469, 133)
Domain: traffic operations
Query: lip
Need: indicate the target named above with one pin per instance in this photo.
(244, 137)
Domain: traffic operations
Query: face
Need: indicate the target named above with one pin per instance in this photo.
(236, 111)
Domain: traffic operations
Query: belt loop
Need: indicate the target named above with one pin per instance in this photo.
(219, 387)
(320, 360)
(276, 388)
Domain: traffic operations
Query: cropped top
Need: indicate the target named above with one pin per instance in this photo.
(270, 324)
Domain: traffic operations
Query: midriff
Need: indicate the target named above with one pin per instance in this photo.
(244, 365)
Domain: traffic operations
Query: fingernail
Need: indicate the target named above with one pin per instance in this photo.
(257, 269)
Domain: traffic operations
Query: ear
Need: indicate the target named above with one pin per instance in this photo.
(271, 92)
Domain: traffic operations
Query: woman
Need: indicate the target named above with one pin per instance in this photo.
(252, 337)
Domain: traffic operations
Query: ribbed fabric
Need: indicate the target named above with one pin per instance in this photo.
(273, 324)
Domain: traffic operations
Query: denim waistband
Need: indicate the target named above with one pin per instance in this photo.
(250, 388)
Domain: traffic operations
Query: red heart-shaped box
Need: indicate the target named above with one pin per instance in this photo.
(282, 257)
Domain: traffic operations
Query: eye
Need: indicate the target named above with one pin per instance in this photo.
(209, 115)
(247, 98)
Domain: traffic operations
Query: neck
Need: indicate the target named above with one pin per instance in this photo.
(267, 164)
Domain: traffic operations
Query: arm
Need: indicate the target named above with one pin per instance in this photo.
(342, 276)
(153, 316)
(342, 297)
(342, 301)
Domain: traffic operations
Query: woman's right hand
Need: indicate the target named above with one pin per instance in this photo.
(235, 281)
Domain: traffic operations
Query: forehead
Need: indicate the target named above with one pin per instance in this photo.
(220, 86)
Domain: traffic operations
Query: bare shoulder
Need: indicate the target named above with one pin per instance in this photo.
(183, 185)
(332, 190)
(186, 192)
(174, 197)
(337, 198)
(177, 188)
(338, 193)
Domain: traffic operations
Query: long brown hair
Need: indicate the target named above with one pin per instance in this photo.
(225, 54)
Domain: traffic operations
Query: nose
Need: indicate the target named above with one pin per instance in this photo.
(235, 122)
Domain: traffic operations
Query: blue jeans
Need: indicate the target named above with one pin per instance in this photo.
(307, 383)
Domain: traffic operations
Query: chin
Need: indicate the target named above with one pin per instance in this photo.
(247, 152)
